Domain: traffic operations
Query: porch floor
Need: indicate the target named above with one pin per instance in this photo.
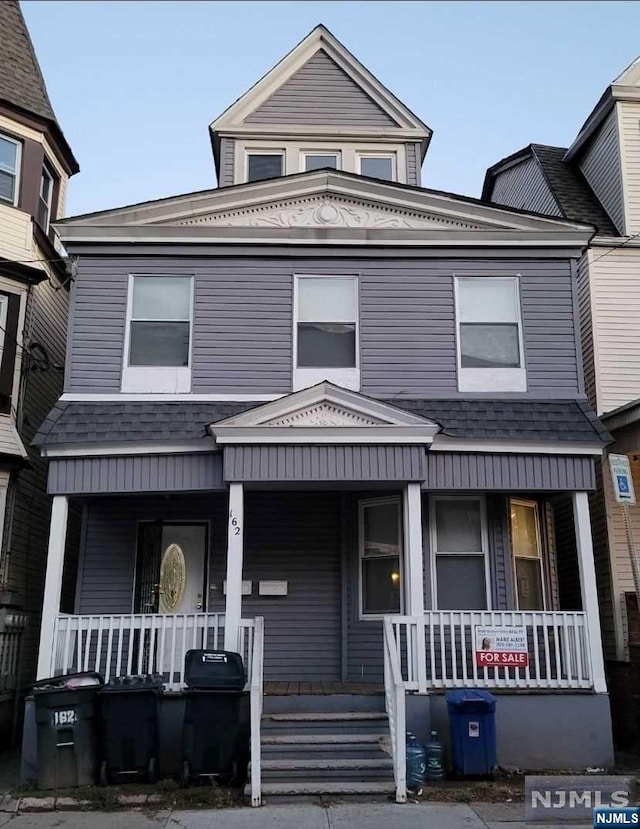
(294, 688)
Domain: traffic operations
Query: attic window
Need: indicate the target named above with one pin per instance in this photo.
(382, 166)
(9, 169)
(320, 161)
(263, 165)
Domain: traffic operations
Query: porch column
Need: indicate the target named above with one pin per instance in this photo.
(233, 607)
(413, 556)
(588, 587)
(52, 583)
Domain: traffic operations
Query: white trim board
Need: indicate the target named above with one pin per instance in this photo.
(132, 397)
(443, 443)
(130, 448)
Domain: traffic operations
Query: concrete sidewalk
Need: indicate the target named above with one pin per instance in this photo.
(294, 816)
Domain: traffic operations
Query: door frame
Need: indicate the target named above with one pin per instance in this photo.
(206, 523)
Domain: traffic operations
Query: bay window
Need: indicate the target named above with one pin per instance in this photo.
(45, 199)
(459, 545)
(380, 545)
(489, 334)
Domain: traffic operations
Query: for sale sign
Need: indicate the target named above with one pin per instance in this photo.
(501, 647)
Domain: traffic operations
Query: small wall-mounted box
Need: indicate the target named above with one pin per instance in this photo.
(247, 588)
(273, 588)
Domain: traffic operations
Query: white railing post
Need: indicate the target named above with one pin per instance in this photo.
(256, 655)
(588, 588)
(52, 584)
(395, 706)
(235, 536)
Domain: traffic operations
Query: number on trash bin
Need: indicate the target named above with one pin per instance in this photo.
(64, 718)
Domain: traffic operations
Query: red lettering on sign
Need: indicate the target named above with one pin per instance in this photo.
(513, 659)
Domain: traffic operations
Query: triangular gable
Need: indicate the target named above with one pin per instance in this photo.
(317, 64)
(325, 414)
(322, 199)
(321, 93)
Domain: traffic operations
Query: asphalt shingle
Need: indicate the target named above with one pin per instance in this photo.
(534, 420)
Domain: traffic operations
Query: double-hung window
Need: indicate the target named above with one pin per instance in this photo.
(459, 544)
(326, 331)
(526, 545)
(380, 557)
(45, 199)
(158, 339)
(9, 169)
(490, 342)
(263, 164)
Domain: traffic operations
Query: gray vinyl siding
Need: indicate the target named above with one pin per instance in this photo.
(227, 162)
(586, 330)
(602, 168)
(524, 186)
(28, 505)
(414, 176)
(321, 93)
(136, 473)
(476, 471)
(294, 537)
(324, 463)
(242, 331)
(288, 536)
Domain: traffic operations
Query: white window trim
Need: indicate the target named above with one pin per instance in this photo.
(46, 171)
(303, 378)
(304, 153)
(362, 505)
(293, 154)
(382, 154)
(433, 538)
(491, 379)
(263, 150)
(16, 189)
(523, 502)
(155, 379)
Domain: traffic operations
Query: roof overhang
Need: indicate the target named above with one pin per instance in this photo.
(627, 415)
(324, 207)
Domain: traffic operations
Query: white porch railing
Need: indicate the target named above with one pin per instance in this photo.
(394, 692)
(117, 645)
(437, 650)
(255, 700)
(12, 626)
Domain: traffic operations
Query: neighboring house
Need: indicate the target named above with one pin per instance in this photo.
(35, 165)
(597, 180)
(323, 396)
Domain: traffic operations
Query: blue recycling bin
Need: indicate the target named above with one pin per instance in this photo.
(472, 721)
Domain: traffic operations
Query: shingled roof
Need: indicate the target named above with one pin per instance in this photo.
(21, 81)
(567, 421)
(574, 197)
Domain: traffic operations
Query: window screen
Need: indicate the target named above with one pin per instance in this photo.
(160, 321)
(489, 323)
(326, 322)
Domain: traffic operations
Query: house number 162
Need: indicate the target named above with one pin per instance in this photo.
(236, 526)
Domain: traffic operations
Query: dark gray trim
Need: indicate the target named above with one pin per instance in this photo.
(494, 472)
(344, 598)
(136, 473)
(576, 325)
(324, 463)
(81, 555)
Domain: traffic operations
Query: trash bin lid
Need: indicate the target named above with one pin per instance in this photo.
(470, 698)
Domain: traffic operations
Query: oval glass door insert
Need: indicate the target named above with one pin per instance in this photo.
(173, 578)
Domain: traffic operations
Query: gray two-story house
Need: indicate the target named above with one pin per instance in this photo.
(336, 421)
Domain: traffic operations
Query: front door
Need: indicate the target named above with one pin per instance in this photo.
(181, 579)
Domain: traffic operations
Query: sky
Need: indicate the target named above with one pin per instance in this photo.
(136, 84)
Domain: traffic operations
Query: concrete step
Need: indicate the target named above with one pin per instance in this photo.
(327, 769)
(328, 738)
(313, 751)
(360, 722)
(317, 787)
(332, 716)
(274, 704)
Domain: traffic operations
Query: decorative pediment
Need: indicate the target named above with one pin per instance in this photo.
(325, 414)
(328, 211)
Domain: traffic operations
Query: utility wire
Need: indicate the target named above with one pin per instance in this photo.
(615, 247)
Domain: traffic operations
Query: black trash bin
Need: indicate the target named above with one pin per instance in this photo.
(129, 719)
(67, 733)
(216, 735)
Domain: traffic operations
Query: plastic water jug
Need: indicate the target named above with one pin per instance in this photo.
(415, 763)
(434, 758)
